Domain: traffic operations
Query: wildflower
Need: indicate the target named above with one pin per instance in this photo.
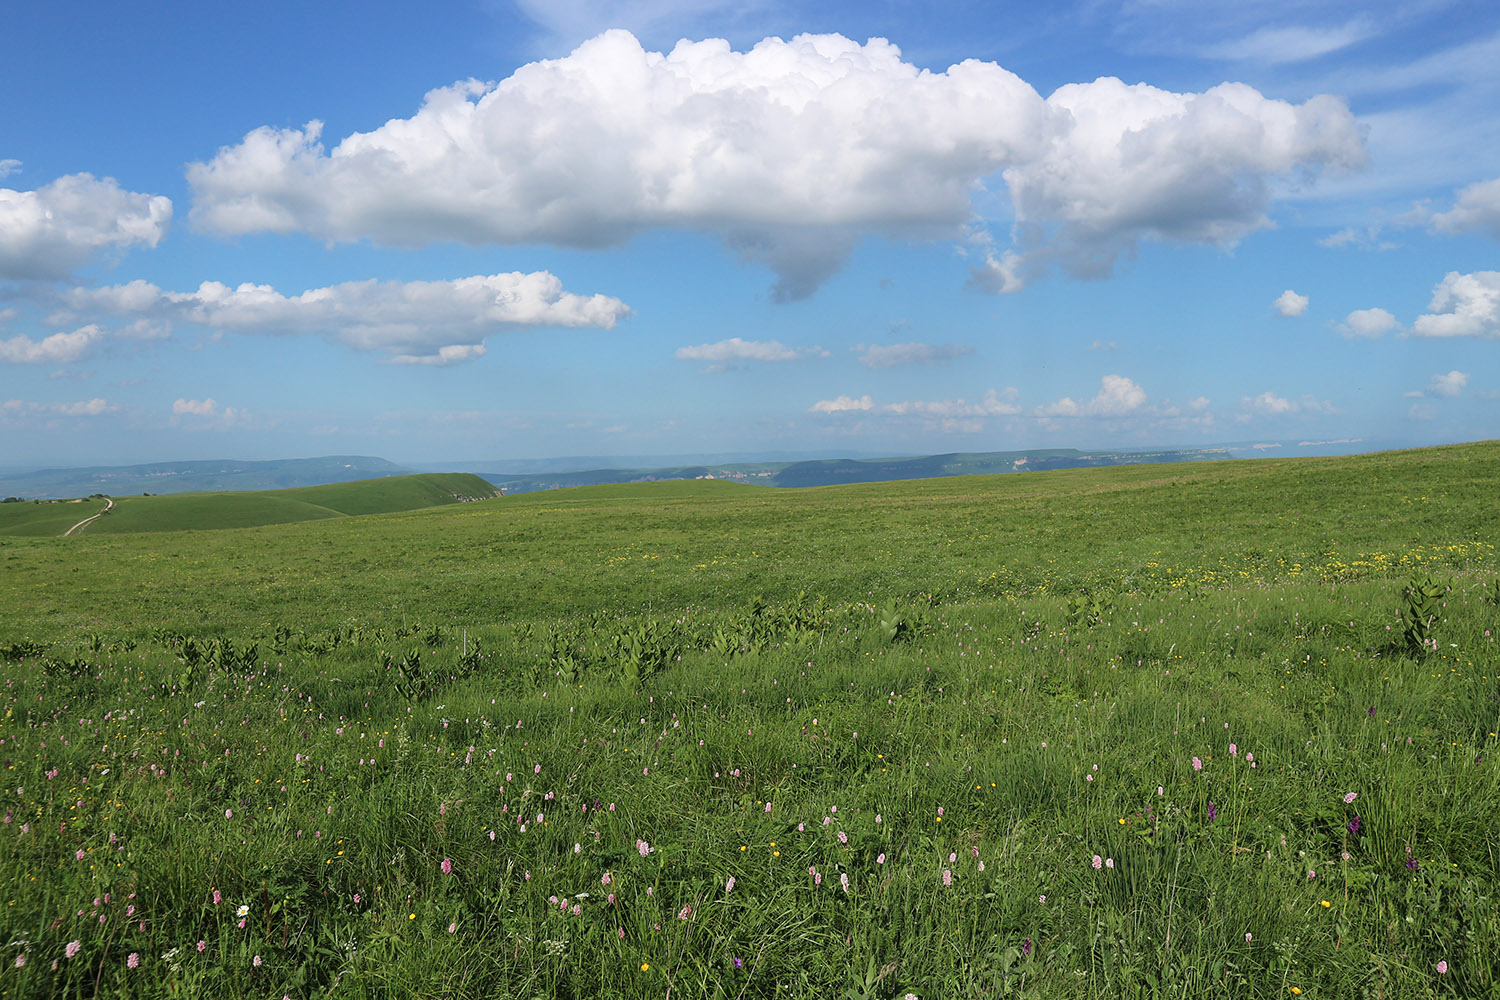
(1325, 904)
(1026, 947)
(1197, 764)
(947, 876)
(1212, 812)
(242, 911)
(228, 813)
(1350, 797)
(729, 886)
(447, 866)
(642, 847)
(1412, 863)
(1109, 863)
(72, 948)
(134, 961)
(1354, 824)
(1311, 875)
(1442, 968)
(1234, 751)
(79, 855)
(217, 898)
(1098, 862)
(453, 927)
(981, 866)
(844, 881)
(739, 963)
(1041, 899)
(684, 913)
(202, 947)
(606, 879)
(1247, 937)
(255, 961)
(645, 966)
(843, 837)
(880, 860)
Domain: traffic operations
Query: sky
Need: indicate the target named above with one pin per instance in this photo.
(461, 231)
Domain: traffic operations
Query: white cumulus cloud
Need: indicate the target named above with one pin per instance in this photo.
(1477, 210)
(1118, 396)
(1463, 305)
(1289, 303)
(891, 355)
(726, 353)
(789, 152)
(1367, 323)
(994, 404)
(1449, 385)
(412, 320)
(56, 349)
(1270, 404)
(195, 407)
(842, 404)
(15, 409)
(51, 231)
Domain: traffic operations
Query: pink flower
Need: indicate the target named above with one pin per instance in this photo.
(1109, 863)
(1311, 875)
(1098, 862)
(947, 876)
(1247, 937)
(729, 886)
(202, 947)
(1442, 968)
(1234, 751)
(1350, 797)
(228, 813)
(843, 837)
(134, 961)
(79, 855)
(73, 948)
(606, 879)
(447, 866)
(1197, 764)
(844, 881)
(684, 913)
(217, 897)
(642, 847)
(881, 859)
(255, 961)
(21, 960)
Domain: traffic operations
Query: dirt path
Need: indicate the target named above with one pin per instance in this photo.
(108, 503)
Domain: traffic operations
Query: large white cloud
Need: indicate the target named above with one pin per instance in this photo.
(51, 231)
(413, 320)
(789, 152)
(1463, 305)
(1477, 210)
(1118, 396)
(1368, 323)
(57, 349)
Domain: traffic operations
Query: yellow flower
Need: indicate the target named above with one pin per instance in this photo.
(1296, 991)
(1325, 904)
(411, 916)
(645, 966)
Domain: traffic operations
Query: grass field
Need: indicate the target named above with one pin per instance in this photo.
(214, 511)
(1208, 730)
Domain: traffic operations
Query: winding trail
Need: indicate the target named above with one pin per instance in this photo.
(108, 503)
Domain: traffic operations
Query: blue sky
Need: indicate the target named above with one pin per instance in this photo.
(511, 229)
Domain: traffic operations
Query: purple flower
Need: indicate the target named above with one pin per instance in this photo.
(1212, 812)
(447, 866)
(739, 963)
(1026, 947)
(1371, 712)
(1412, 863)
(1354, 824)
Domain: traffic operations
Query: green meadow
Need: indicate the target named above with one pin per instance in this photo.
(1199, 730)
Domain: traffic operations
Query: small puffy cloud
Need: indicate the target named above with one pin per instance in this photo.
(17, 409)
(1289, 303)
(448, 354)
(1360, 239)
(51, 231)
(1463, 305)
(1476, 211)
(206, 414)
(726, 354)
(1270, 404)
(994, 404)
(842, 404)
(8, 167)
(1104, 345)
(891, 355)
(1367, 323)
(790, 153)
(1448, 386)
(57, 349)
(195, 407)
(411, 320)
(1118, 397)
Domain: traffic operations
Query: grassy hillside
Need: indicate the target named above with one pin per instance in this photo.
(47, 517)
(195, 477)
(212, 511)
(1211, 730)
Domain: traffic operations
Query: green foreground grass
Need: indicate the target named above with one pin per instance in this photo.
(1130, 732)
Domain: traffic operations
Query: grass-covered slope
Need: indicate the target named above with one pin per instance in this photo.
(45, 518)
(208, 511)
(1208, 731)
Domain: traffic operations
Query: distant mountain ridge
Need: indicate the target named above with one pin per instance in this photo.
(839, 471)
(212, 475)
(229, 475)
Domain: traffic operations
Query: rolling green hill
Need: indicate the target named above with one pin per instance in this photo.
(207, 511)
(195, 477)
